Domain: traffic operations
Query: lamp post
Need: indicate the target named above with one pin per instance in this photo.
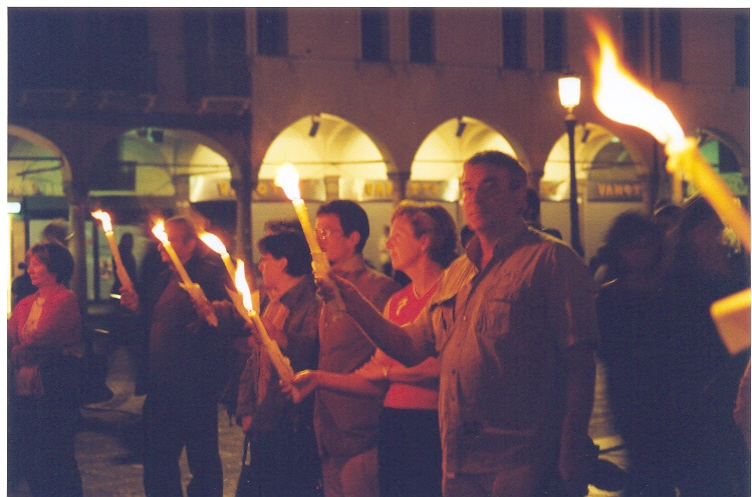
(569, 94)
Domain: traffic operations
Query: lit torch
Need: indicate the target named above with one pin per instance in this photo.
(193, 289)
(214, 243)
(621, 98)
(125, 280)
(287, 178)
(244, 304)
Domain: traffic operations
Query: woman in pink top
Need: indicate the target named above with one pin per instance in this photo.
(44, 340)
(422, 242)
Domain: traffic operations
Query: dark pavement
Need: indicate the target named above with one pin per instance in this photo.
(109, 436)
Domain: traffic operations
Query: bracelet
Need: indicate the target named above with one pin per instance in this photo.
(385, 370)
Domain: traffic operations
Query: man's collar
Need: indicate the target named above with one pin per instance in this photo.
(475, 253)
(351, 265)
(293, 293)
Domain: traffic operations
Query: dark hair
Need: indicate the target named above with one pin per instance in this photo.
(189, 229)
(126, 242)
(56, 232)
(533, 204)
(466, 234)
(291, 245)
(624, 229)
(432, 220)
(56, 259)
(694, 211)
(277, 225)
(495, 158)
(351, 216)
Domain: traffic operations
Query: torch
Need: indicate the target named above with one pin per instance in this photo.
(244, 305)
(193, 289)
(125, 280)
(287, 178)
(621, 98)
(214, 243)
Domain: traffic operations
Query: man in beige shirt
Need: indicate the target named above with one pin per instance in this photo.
(513, 323)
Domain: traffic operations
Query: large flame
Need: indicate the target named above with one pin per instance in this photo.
(287, 178)
(213, 242)
(159, 231)
(242, 285)
(621, 98)
(104, 217)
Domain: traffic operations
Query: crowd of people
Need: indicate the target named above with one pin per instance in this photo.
(476, 378)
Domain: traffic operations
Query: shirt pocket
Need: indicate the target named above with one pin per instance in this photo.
(443, 316)
(496, 313)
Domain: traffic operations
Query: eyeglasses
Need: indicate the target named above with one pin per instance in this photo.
(324, 234)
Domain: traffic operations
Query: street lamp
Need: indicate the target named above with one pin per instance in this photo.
(569, 94)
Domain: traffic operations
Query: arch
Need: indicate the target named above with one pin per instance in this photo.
(325, 145)
(41, 153)
(450, 144)
(598, 152)
(726, 156)
(153, 156)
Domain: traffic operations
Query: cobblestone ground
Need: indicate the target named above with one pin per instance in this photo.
(109, 437)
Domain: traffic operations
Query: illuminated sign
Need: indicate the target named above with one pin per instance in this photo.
(614, 191)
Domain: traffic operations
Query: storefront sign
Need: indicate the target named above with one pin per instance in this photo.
(601, 191)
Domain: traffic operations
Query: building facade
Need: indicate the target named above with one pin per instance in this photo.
(167, 109)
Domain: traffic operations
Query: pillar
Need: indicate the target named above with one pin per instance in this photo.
(244, 186)
(399, 185)
(331, 187)
(77, 214)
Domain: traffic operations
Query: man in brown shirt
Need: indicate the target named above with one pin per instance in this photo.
(347, 425)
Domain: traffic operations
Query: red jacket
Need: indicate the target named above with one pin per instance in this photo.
(58, 328)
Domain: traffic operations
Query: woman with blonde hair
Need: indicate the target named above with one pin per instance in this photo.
(422, 243)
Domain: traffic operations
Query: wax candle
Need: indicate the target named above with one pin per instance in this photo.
(244, 304)
(287, 178)
(193, 289)
(159, 232)
(214, 243)
(104, 217)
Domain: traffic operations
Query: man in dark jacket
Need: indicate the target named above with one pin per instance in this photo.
(184, 370)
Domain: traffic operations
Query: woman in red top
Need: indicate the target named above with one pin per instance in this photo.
(44, 340)
(422, 242)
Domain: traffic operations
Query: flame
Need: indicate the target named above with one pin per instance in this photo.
(287, 178)
(621, 98)
(159, 231)
(242, 285)
(213, 242)
(104, 217)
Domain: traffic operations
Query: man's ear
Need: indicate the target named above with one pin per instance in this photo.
(192, 244)
(354, 238)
